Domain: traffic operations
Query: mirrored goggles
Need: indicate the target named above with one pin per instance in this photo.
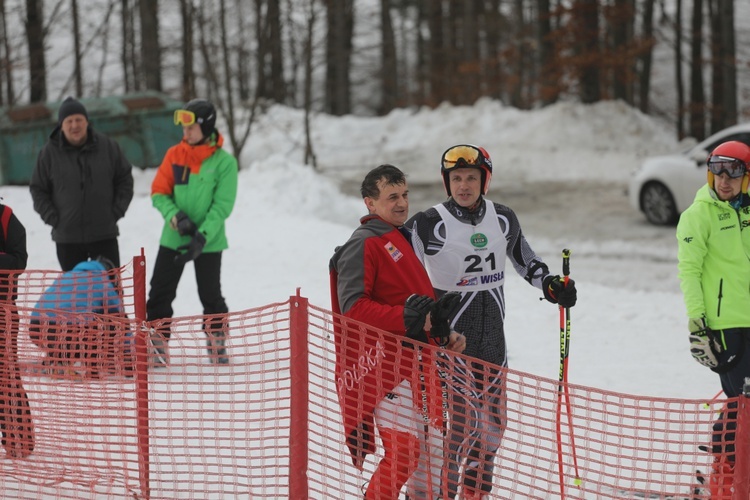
(733, 167)
(463, 156)
(184, 117)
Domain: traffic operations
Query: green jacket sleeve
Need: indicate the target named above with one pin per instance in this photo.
(692, 233)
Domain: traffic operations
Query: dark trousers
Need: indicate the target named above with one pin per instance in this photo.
(732, 380)
(16, 425)
(166, 277)
(70, 254)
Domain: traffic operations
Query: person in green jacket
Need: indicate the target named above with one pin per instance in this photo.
(194, 189)
(714, 270)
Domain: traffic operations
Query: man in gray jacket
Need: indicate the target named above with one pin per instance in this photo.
(81, 186)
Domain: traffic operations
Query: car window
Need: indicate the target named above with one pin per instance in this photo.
(740, 136)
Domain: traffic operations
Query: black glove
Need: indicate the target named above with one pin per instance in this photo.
(416, 309)
(556, 291)
(192, 249)
(441, 315)
(184, 225)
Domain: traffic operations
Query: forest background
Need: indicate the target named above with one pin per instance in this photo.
(685, 62)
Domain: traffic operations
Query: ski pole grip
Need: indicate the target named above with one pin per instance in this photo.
(566, 262)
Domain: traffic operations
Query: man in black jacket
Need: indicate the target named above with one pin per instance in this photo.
(81, 186)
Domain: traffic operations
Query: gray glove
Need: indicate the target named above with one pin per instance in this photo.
(183, 224)
(704, 345)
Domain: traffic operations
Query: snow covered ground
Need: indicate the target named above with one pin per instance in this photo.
(563, 169)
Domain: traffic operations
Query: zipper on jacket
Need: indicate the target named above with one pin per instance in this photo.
(721, 294)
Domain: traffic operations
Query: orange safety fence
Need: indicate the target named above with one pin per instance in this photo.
(107, 423)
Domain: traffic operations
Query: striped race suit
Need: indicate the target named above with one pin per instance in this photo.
(465, 251)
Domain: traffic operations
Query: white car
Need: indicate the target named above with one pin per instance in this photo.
(665, 186)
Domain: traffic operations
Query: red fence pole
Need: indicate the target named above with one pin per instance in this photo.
(741, 477)
(141, 373)
(299, 396)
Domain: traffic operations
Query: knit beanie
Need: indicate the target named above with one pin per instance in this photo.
(70, 106)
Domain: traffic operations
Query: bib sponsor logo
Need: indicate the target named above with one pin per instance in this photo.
(467, 281)
(492, 278)
(478, 240)
(394, 252)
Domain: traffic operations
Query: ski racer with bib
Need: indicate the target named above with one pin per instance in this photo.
(713, 248)
(463, 243)
(376, 279)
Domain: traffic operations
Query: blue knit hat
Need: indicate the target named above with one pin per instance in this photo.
(70, 106)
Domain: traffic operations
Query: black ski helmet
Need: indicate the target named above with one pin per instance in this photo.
(205, 115)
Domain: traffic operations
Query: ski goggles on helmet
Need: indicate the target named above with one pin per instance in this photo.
(184, 117)
(464, 156)
(733, 167)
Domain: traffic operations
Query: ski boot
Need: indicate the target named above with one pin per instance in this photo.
(217, 351)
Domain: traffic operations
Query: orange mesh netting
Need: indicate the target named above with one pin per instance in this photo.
(109, 424)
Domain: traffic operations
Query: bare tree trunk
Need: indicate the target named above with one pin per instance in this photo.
(389, 68)
(296, 50)
(77, 70)
(621, 26)
(729, 62)
(492, 25)
(239, 125)
(228, 103)
(723, 65)
(261, 51)
(516, 90)
(437, 59)
(470, 54)
(102, 34)
(130, 64)
(338, 55)
(243, 54)
(549, 89)
(6, 74)
(310, 157)
(35, 35)
(188, 72)
(644, 80)
(697, 95)
(678, 71)
(204, 23)
(276, 50)
(586, 29)
(150, 49)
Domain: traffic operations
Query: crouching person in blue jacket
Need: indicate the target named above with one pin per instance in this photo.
(80, 324)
